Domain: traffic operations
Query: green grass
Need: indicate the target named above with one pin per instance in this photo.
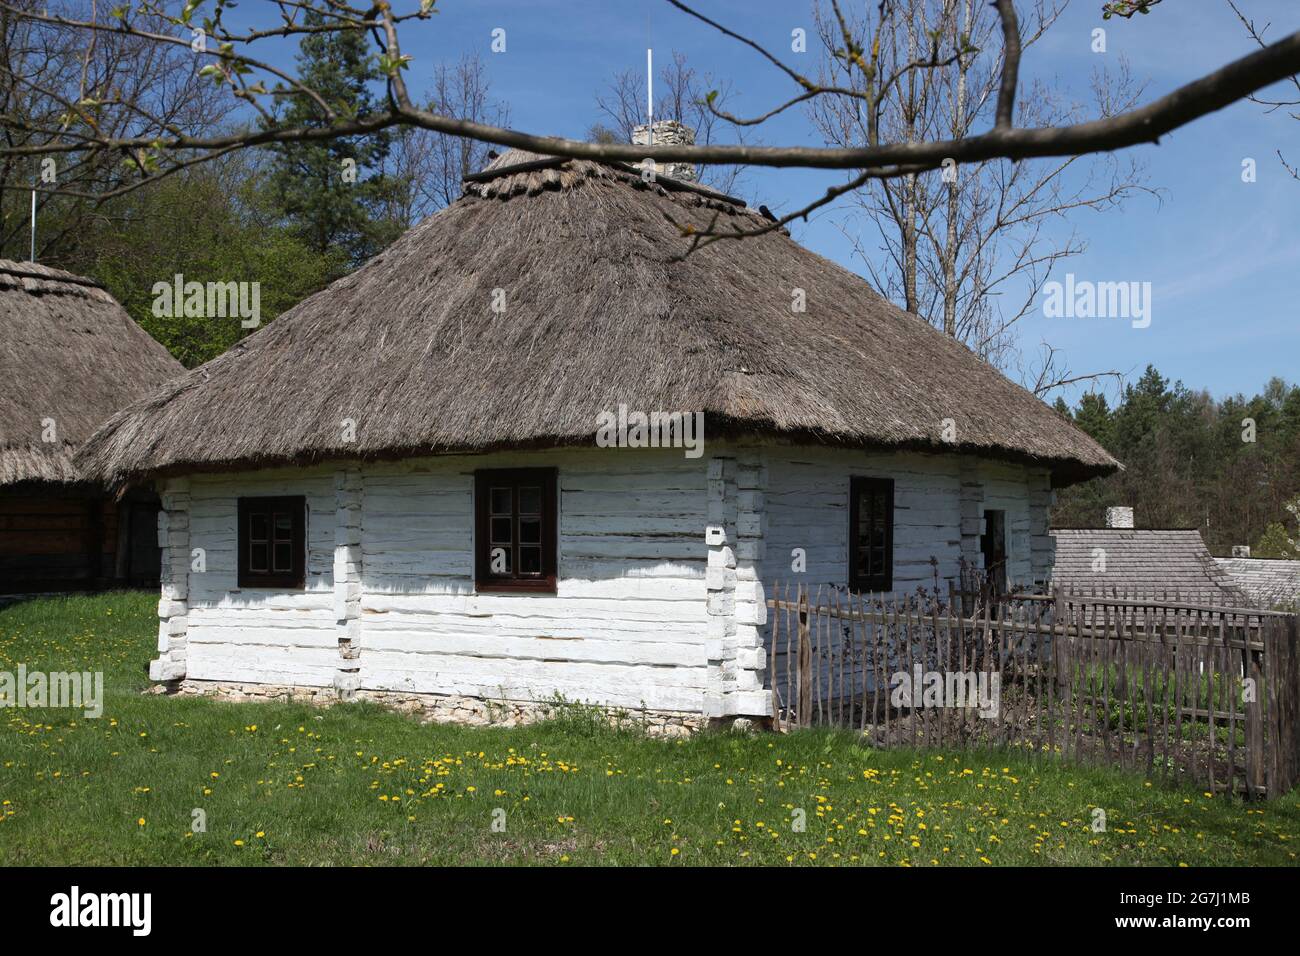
(283, 783)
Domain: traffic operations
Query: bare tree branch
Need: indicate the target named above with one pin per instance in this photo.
(1010, 63)
(1236, 80)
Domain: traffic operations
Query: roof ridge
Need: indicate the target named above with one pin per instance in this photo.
(35, 270)
(516, 162)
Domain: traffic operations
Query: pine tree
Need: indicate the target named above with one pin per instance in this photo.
(330, 193)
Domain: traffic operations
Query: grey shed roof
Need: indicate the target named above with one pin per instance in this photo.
(1270, 583)
(1143, 563)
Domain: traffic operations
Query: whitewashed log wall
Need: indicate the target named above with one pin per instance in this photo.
(627, 626)
(662, 565)
(938, 505)
(258, 636)
(939, 501)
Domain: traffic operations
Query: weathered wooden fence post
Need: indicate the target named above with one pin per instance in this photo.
(1059, 638)
(1289, 744)
(1279, 690)
(1255, 777)
(805, 663)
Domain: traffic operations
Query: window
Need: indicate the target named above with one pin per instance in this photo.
(272, 535)
(514, 529)
(993, 545)
(871, 534)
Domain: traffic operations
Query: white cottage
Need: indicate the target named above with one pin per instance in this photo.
(428, 483)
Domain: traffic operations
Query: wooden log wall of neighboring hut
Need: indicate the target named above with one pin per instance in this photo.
(68, 540)
(55, 542)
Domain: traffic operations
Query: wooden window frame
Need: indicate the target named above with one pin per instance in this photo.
(484, 580)
(1001, 579)
(859, 579)
(294, 580)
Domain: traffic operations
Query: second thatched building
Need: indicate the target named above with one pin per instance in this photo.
(70, 356)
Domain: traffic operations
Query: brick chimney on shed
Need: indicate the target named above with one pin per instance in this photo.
(1121, 517)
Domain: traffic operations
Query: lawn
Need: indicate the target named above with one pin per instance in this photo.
(353, 784)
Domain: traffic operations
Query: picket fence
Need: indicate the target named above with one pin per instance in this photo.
(1181, 691)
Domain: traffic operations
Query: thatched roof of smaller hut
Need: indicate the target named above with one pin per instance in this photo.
(70, 355)
(555, 290)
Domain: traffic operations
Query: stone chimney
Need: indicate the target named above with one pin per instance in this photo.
(668, 133)
(1241, 551)
(1121, 517)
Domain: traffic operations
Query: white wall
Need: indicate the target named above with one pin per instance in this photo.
(255, 635)
(626, 626)
(806, 504)
(807, 507)
(1006, 488)
(629, 624)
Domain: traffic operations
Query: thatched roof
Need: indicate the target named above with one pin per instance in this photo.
(1143, 563)
(601, 309)
(70, 353)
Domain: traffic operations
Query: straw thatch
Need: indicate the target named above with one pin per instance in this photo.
(601, 309)
(70, 353)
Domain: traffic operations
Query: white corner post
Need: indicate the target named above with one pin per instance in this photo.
(970, 503)
(737, 609)
(173, 605)
(1042, 546)
(348, 490)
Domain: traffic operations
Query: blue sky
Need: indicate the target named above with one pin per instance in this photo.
(1223, 256)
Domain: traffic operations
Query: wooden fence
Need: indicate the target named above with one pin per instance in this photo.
(1186, 692)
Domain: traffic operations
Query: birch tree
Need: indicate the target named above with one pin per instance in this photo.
(967, 246)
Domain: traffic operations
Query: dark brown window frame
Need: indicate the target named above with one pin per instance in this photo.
(860, 579)
(484, 580)
(295, 579)
(995, 572)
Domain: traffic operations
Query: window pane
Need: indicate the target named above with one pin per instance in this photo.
(511, 506)
(501, 504)
(270, 543)
(530, 501)
(257, 557)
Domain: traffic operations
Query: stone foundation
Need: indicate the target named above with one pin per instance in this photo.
(440, 708)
